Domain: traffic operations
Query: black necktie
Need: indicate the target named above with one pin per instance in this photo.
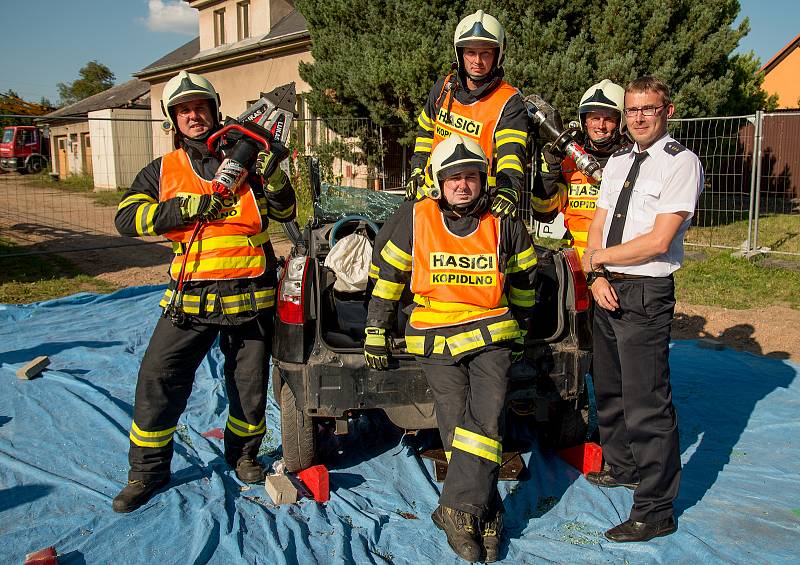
(621, 209)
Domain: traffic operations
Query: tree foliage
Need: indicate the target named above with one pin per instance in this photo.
(95, 78)
(379, 60)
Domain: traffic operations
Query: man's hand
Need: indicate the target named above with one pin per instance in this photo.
(505, 203)
(204, 207)
(376, 349)
(604, 294)
(551, 157)
(268, 167)
(415, 182)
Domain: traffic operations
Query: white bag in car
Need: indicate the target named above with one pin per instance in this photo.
(349, 259)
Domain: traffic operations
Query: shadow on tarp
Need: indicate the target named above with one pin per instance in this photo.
(19, 495)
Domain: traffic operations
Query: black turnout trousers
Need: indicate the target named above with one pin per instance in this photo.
(167, 374)
(638, 423)
(471, 395)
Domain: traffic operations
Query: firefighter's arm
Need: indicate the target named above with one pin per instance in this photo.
(510, 141)
(423, 143)
(140, 213)
(278, 195)
(549, 194)
(393, 262)
(520, 269)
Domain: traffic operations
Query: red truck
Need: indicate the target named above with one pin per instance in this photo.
(23, 149)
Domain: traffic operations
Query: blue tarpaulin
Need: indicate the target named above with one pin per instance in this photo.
(64, 442)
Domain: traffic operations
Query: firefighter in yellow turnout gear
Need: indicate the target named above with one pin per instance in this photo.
(472, 277)
(564, 187)
(229, 291)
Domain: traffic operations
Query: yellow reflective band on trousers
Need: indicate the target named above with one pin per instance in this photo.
(159, 438)
(388, 290)
(415, 344)
(191, 302)
(243, 429)
(238, 303)
(505, 330)
(466, 341)
(396, 257)
(522, 261)
(439, 342)
(479, 445)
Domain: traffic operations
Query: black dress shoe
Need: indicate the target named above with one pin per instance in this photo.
(605, 479)
(641, 531)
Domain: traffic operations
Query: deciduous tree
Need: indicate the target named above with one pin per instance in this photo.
(95, 78)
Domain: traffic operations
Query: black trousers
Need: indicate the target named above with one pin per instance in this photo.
(471, 395)
(165, 383)
(638, 423)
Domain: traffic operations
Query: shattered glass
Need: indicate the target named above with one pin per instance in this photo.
(336, 202)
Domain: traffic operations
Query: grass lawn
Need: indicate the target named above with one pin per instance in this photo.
(779, 232)
(33, 278)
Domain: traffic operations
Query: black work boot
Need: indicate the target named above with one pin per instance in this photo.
(136, 493)
(492, 532)
(462, 533)
(249, 470)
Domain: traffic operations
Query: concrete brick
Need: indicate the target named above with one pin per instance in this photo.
(280, 489)
(33, 368)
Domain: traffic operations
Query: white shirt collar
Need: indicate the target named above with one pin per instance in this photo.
(658, 144)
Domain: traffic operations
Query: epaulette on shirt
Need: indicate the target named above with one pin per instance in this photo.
(623, 151)
(673, 148)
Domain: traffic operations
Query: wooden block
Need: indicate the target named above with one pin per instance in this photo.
(32, 369)
(280, 489)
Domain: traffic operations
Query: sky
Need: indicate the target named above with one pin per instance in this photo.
(44, 42)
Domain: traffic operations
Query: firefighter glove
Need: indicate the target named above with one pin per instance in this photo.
(376, 348)
(205, 207)
(505, 203)
(518, 350)
(268, 166)
(551, 158)
(414, 184)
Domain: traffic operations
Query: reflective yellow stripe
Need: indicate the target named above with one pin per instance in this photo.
(448, 306)
(144, 219)
(522, 261)
(263, 206)
(509, 162)
(466, 341)
(503, 136)
(236, 303)
(424, 121)
(505, 330)
(158, 438)
(438, 344)
(448, 455)
(281, 214)
(220, 264)
(388, 290)
(396, 257)
(135, 198)
(415, 344)
(425, 316)
(374, 271)
(423, 145)
(243, 429)
(522, 297)
(223, 242)
(259, 239)
(191, 302)
(479, 445)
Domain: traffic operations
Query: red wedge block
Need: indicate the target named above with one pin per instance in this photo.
(586, 457)
(46, 556)
(316, 480)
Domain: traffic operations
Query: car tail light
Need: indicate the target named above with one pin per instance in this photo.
(290, 291)
(578, 280)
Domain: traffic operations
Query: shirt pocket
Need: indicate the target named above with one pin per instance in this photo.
(645, 199)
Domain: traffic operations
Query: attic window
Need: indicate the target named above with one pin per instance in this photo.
(243, 19)
(219, 27)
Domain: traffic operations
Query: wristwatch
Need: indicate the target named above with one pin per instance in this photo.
(594, 275)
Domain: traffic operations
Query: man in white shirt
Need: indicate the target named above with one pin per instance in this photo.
(647, 198)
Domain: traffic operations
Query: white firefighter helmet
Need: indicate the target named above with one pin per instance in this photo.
(605, 96)
(480, 29)
(187, 86)
(454, 155)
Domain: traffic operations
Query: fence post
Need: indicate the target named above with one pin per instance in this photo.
(756, 197)
(755, 179)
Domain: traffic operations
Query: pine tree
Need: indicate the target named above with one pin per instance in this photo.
(95, 78)
(379, 60)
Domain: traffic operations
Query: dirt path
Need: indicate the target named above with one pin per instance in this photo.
(36, 216)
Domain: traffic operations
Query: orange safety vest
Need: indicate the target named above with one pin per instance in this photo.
(224, 248)
(476, 121)
(455, 279)
(582, 202)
